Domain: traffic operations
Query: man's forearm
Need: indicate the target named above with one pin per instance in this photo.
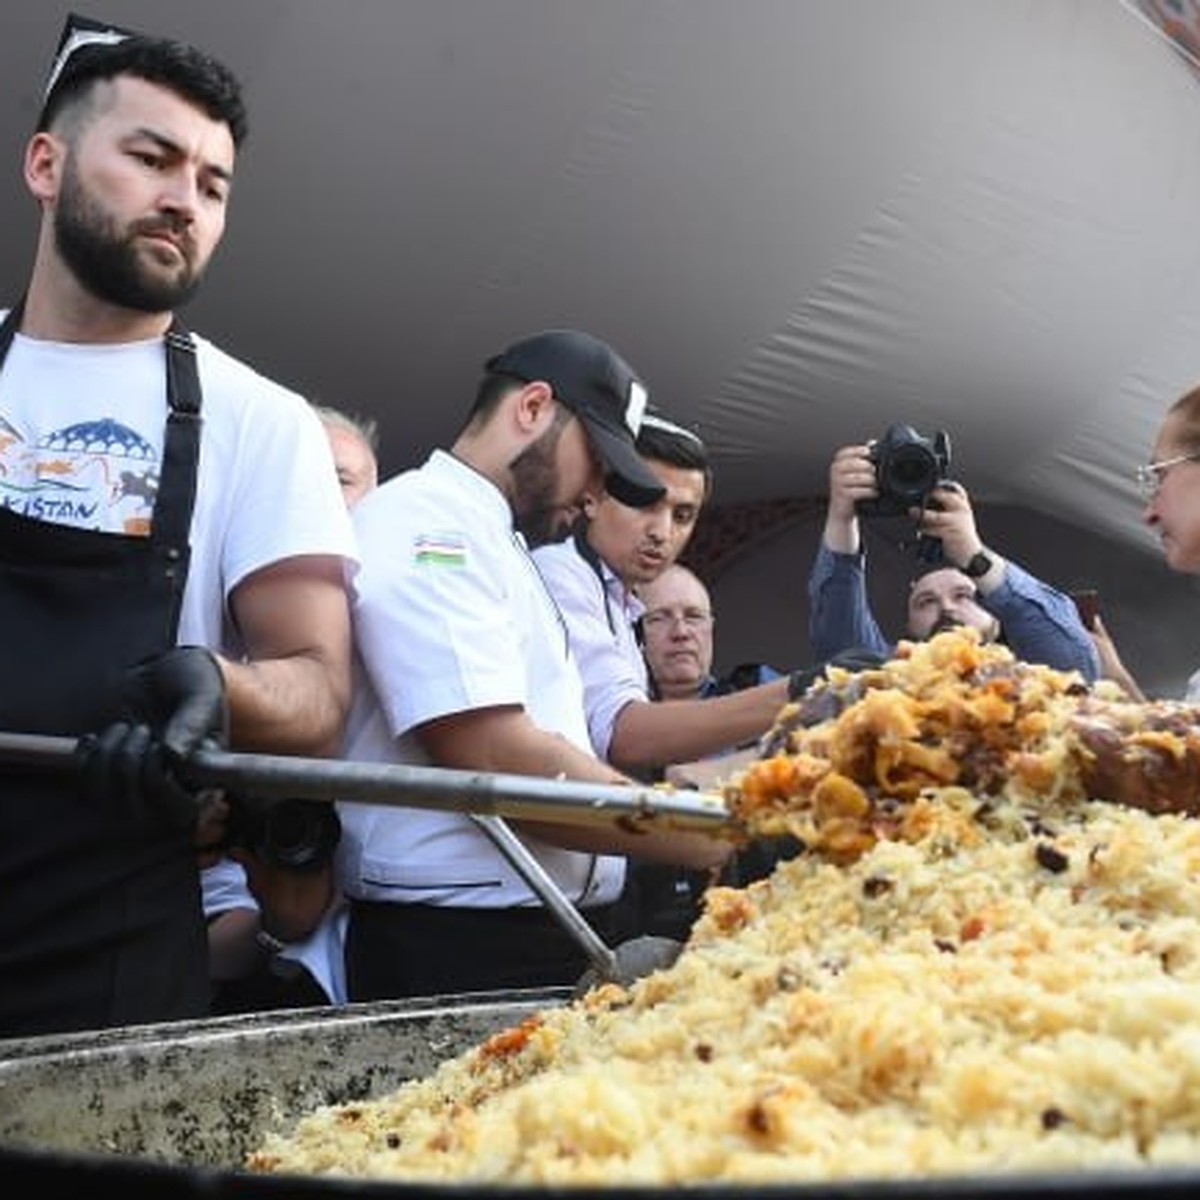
(1041, 624)
(293, 705)
(839, 615)
(653, 734)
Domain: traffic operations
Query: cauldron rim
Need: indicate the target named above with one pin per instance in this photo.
(144, 1178)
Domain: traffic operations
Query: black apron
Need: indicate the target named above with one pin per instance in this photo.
(100, 913)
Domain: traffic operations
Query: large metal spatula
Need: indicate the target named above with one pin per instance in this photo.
(628, 962)
(485, 798)
(516, 796)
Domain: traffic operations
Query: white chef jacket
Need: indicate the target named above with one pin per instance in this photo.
(451, 615)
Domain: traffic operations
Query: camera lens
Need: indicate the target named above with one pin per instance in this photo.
(301, 834)
(912, 471)
(908, 467)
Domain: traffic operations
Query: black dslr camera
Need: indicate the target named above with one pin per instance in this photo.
(298, 834)
(907, 469)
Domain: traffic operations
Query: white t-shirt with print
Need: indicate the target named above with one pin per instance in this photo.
(452, 615)
(81, 437)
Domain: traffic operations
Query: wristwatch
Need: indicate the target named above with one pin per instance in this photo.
(269, 943)
(980, 563)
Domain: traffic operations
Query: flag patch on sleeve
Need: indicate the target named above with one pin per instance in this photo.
(440, 550)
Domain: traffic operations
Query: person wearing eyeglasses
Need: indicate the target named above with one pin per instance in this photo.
(1170, 487)
(974, 585)
(1170, 484)
(677, 635)
(677, 644)
(677, 641)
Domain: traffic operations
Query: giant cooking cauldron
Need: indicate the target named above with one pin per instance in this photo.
(169, 1111)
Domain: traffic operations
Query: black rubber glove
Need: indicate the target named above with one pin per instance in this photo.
(174, 703)
(856, 658)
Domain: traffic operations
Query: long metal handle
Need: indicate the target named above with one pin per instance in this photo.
(543, 885)
(520, 797)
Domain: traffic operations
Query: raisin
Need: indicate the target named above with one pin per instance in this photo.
(1051, 858)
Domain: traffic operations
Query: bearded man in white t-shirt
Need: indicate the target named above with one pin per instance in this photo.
(173, 547)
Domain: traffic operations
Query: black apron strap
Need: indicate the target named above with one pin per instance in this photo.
(101, 921)
(10, 325)
(181, 446)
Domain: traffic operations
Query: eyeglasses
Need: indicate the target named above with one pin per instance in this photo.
(665, 618)
(1150, 477)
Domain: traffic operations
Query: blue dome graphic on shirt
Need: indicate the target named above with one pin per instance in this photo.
(99, 437)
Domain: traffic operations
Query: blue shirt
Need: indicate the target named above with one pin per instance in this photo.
(1039, 623)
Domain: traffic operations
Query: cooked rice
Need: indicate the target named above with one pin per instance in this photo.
(974, 969)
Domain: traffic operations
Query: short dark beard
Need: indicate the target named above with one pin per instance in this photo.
(943, 625)
(104, 260)
(535, 482)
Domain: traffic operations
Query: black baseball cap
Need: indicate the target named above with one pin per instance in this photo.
(601, 389)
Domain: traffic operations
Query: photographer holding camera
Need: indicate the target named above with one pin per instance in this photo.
(963, 582)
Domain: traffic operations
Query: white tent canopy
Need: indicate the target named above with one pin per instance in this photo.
(801, 220)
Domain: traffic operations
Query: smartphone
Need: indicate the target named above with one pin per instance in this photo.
(1087, 604)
